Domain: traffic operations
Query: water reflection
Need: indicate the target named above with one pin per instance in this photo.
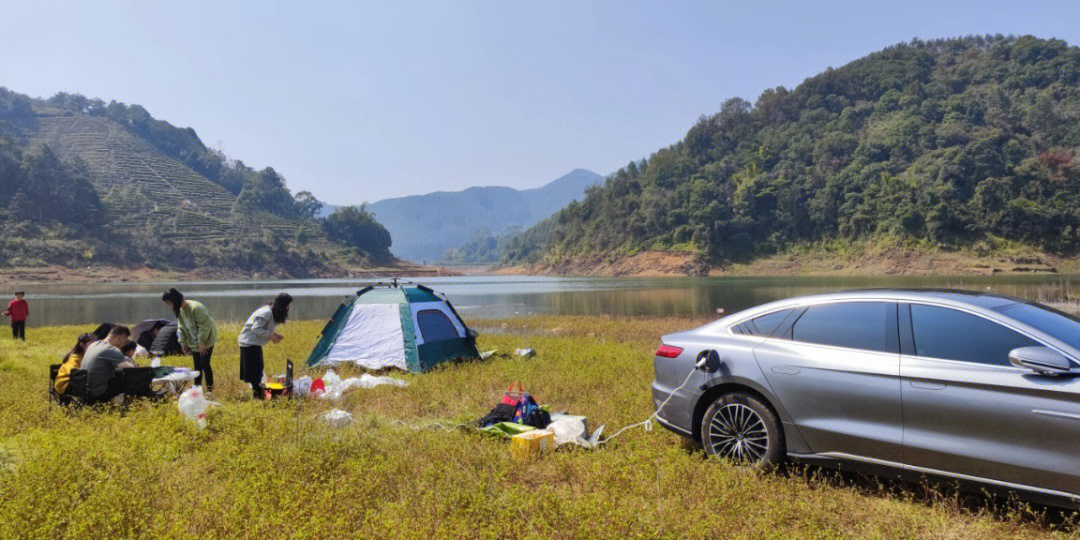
(498, 296)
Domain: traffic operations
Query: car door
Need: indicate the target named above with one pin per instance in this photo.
(967, 411)
(836, 371)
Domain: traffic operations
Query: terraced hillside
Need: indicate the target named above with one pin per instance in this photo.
(161, 194)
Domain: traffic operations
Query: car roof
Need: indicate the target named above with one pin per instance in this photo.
(960, 296)
(956, 297)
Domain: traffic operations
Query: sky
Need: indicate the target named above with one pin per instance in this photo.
(359, 101)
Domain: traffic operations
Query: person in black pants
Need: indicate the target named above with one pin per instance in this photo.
(18, 310)
(258, 331)
(197, 333)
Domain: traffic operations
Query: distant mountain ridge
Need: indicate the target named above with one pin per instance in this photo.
(425, 227)
(953, 144)
(87, 183)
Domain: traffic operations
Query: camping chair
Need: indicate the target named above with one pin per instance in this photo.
(76, 390)
(137, 381)
(54, 396)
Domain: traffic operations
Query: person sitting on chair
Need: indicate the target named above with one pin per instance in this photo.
(73, 360)
(102, 361)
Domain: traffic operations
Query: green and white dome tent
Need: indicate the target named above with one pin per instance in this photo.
(394, 326)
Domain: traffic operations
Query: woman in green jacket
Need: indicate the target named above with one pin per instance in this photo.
(196, 332)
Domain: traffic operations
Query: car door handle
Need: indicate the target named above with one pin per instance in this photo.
(786, 370)
(924, 385)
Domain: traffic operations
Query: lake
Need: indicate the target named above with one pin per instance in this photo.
(496, 296)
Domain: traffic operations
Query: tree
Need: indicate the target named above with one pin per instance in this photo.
(356, 227)
(266, 191)
(307, 205)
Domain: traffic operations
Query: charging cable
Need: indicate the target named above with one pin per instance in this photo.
(646, 424)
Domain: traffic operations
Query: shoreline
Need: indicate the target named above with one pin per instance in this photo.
(886, 263)
(109, 274)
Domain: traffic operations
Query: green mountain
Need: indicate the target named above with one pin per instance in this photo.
(426, 227)
(89, 183)
(965, 143)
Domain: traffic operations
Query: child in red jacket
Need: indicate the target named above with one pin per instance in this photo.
(18, 310)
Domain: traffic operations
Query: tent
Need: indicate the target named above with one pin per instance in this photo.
(394, 326)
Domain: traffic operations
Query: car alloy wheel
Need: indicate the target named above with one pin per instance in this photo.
(741, 428)
(738, 433)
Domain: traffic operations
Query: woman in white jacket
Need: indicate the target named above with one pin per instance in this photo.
(258, 331)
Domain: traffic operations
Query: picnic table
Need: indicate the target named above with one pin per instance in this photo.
(172, 380)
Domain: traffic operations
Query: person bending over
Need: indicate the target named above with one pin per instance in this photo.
(102, 362)
(196, 331)
(258, 331)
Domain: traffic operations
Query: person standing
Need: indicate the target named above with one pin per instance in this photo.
(18, 310)
(257, 332)
(102, 362)
(197, 333)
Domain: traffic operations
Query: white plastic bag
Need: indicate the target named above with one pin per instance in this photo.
(337, 418)
(335, 391)
(568, 430)
(302, 386)
(331, 379)
(193, 405)
(525, 353)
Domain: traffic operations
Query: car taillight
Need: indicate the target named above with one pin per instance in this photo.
(667, 351)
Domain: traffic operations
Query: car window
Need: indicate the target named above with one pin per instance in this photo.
(950, 334)
(856, 325)
(766, 324)
(1060, 325)
(435, 326)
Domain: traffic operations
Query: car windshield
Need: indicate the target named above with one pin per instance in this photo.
(1051, 321)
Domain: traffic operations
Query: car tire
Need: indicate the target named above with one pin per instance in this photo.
(740, 427)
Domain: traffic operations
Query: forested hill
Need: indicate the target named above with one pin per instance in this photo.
(430, 227)
(88, 183)
(945, 144)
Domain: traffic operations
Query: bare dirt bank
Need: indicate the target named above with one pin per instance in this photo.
(103, 274)
(893, 262)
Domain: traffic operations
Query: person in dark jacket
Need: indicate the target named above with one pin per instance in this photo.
(257, 332)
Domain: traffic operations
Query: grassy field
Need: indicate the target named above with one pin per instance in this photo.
(274, 470)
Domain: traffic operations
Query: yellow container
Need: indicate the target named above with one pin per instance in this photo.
(531, 443)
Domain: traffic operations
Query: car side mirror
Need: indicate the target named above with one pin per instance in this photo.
(1041, 360)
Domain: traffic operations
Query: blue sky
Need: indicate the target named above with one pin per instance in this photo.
(358, 102)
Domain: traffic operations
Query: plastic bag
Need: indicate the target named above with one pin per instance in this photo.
(334, 391)
(331, 379)
(525, 353)
(193, 405)
(568, 430)
(337, 418)
(302, 386)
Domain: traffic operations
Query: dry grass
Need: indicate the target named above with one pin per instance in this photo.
(272, 470)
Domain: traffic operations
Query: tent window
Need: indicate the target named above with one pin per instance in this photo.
(434, 325)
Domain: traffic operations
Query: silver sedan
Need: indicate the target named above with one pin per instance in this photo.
(977, 388)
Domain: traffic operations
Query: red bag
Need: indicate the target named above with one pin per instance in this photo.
(510, 397)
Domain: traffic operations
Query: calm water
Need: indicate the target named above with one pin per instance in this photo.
(495, 296)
